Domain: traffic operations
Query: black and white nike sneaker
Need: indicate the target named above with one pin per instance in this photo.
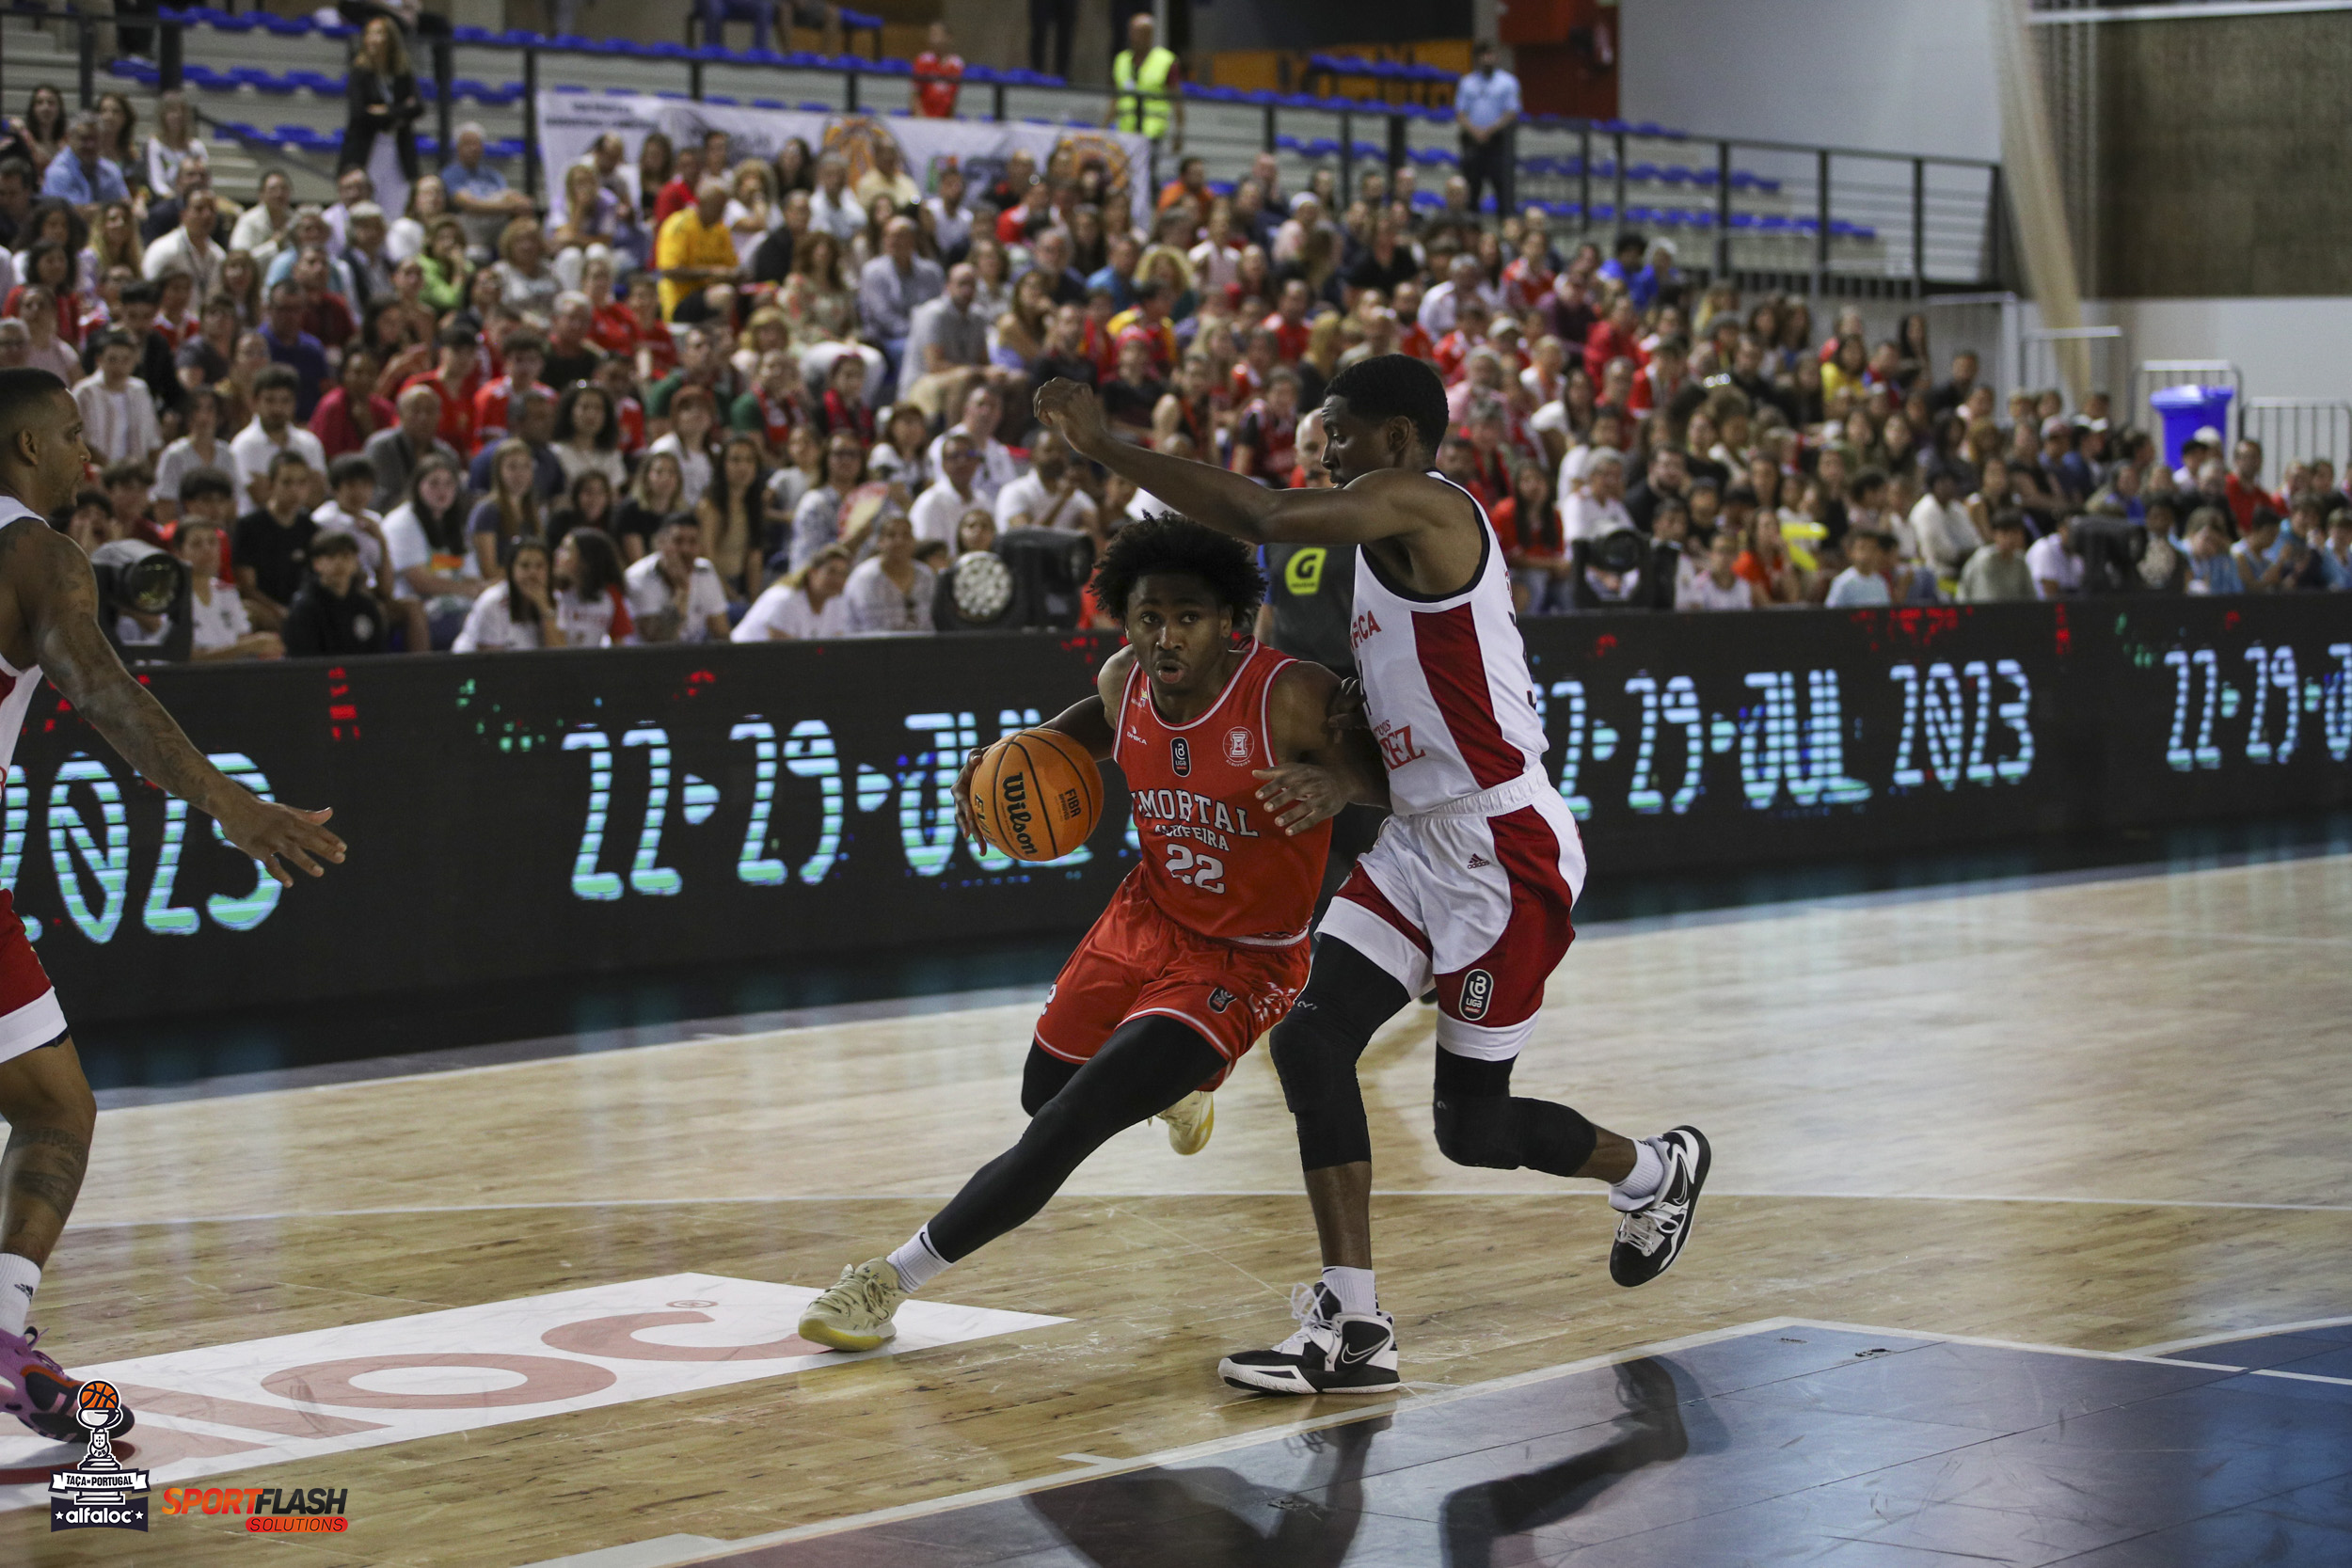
(1332, 1352)
(1650, 1238)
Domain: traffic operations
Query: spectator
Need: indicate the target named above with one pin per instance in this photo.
(1941, 526)
(426, 554)
(2243, 489)
(220, 628)
(1863, 584)
(1050, 495)
(1487, 107)
(892, 286)
(590, 591)
(273, 432)
(1145, 83)
(1999, 571)
(832, 210)
(477, 192)
(674, 595)
(399, 449)
(118, 412)
(734, 517)
(201, 447)
(498, 403)
(938, 75)
(2212, 568)
(381, 92)
(693, 417)
(694, 248)
(189, 246)
(2057, 563)
(332, 615)
(807, 604)
(510, 510)
(302, 355)
(951, 219)
(518, 609)
(891, 591)
(947, 344)
(938, 509)
(1051, 23)
(887, 177)
(817, 521)
(1596, 507)
(587, 436)
(80, 174)
(2266, 557)
(2334, 557)
(526, 285)
(351, 416)
(982, 409)
(1719, 586)
(1267, 432)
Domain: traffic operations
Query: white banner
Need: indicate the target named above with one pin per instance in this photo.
(570, 123)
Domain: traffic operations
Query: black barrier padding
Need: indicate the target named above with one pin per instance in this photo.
(523, 817)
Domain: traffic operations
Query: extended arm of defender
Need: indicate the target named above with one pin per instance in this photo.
(57, 598)
(1325, 760)
(1374, 507)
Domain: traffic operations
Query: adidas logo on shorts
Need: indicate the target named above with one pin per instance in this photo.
(1479, 862)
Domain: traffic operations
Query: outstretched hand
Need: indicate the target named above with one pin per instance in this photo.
(267, 830)
(1300, 795)
(1074, 413)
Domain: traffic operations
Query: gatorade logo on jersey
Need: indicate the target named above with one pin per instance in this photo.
(1180, 756)
(1478, 989)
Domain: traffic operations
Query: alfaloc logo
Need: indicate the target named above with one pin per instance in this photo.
(98, 1493)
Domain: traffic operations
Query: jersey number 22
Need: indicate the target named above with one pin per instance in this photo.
(1205, 872)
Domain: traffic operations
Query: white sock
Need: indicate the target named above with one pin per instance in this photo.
(1649, 1172)
(917, 1261)
(1354, 1288)
(19, 1279)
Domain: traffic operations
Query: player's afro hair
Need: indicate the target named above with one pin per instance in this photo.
(1167, 543)
(1386, 385)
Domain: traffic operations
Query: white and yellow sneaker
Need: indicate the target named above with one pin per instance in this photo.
(855, 1314)
(1190, 1121)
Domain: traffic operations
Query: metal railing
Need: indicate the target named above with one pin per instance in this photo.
(1768, 215)
(2082, 358)
(2298, 430)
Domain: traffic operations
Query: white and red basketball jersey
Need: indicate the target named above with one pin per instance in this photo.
(17, 687)
(1445, 682)
(1212, 859)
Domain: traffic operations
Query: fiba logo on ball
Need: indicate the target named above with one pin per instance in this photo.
(98, 1493)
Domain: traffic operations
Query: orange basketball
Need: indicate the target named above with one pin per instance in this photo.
(99, 1395)
(1037, 795)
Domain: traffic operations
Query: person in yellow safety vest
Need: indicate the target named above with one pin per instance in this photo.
(1142, 95)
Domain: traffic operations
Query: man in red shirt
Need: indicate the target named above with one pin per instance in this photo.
(1411, 336)
(2243, 488)
(938, 75)
(1454, 349)
(1148, 324)
(526, 355)
(454, 381)
(1289, 321)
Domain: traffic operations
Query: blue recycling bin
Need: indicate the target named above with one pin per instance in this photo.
(2186, 410)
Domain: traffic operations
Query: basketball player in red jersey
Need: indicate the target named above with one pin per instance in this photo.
(1473, 877)
(49, 626)
(1234, 771)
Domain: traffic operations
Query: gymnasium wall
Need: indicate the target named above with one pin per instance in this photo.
(1895, 75)
(522, 818)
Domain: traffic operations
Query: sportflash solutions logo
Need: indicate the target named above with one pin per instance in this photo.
(98, 1493)
(268, 1510)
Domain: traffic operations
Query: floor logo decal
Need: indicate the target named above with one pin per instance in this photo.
(231, 1407)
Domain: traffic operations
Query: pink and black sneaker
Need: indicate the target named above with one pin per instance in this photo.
(39, 1392)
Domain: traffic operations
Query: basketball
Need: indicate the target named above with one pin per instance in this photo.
(1037, 795)
(99, 1395)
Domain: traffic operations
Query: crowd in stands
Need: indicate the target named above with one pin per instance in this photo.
(709, 396)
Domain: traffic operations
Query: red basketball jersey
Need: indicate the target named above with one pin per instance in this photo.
(1213, 859)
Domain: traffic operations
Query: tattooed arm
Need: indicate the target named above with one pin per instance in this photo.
(57, 598)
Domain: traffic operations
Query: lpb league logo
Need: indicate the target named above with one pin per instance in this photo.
(98, 1493)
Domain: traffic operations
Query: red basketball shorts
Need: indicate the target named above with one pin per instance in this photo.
(1136, 962)
(29, 1015)
(1476, 897)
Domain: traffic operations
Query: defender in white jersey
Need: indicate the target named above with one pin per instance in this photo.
(1471, 885)
(49, 626)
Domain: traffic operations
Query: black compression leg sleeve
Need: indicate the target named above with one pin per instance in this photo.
(1148, 1066)
(1042, 1077)
(1315, 1048)
(1481, 1123)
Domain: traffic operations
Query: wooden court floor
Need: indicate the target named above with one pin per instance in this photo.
(2107, 1113)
